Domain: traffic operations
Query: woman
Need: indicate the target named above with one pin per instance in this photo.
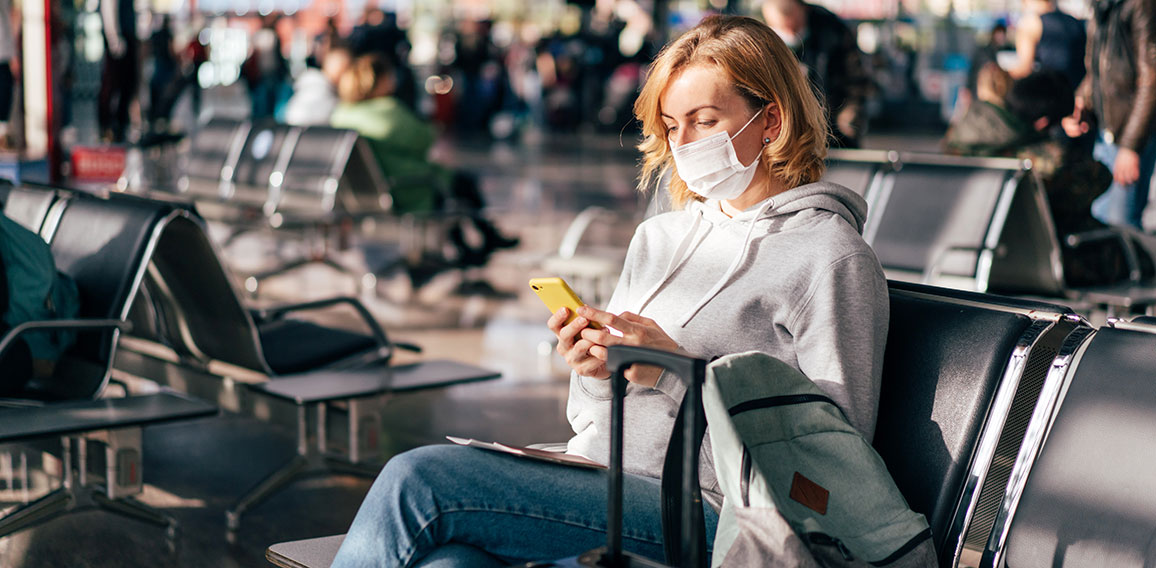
(760, 258)
(401, 142)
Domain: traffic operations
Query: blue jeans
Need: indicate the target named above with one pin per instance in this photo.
(1124, 204)
(455, 506)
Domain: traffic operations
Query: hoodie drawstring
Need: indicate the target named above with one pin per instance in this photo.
(679, 255)
(730, 271)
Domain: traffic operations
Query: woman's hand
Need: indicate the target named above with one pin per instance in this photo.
(636, 331)
(575, 349)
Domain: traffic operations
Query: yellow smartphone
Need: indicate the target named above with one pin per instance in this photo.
(555, 293)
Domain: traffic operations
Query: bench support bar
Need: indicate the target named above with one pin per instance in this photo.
(123, 471)
(313, 457)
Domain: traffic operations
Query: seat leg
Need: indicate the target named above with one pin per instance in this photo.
(129, 507)
(36, 512)
(266, 487)
(133, 509)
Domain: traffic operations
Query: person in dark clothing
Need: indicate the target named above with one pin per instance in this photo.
(1047, 39)
(265, 70)
(376, 32)
(1022, 127)
(165, 82)
(121, 75)
(828, 50)
(1120, 90)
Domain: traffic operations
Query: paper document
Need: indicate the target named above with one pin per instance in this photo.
(542, 455)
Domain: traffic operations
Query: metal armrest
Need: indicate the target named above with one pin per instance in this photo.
(577, 229)
(61, 324)
(1077, 240)
(574, 234)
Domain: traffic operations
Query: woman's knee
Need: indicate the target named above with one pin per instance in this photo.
(429, 471)
(417, 468)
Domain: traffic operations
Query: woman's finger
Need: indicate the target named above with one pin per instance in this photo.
(557, 320)
(599, 316)
(600, 336)
(599, 352)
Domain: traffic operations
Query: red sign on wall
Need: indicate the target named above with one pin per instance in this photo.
(97, 163)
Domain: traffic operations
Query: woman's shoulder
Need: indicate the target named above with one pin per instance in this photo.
(824, 237)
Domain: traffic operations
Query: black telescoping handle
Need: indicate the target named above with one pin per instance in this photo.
(692, 371)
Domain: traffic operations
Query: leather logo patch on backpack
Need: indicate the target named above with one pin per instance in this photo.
(810, 494)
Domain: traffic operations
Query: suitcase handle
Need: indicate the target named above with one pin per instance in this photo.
(684, 537)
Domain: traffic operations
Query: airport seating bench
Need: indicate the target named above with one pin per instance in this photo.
(960, 371)
(190, 316)
(315, 181)
(1087, 500)
(184, 310)
(981, 224)
(104, 247)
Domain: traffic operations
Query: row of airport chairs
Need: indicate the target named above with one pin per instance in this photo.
(275, 168)
(154, 294)
(981, 224)
(978, 224)
(316, 180)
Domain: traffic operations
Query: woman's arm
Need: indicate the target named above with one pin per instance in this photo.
(840, 331)
(1028, 34)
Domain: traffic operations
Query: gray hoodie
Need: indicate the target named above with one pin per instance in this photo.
(790, 277)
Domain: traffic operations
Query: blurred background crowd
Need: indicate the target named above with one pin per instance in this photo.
(124, 68)
(135, 71)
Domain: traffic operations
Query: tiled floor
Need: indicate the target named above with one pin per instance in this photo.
(194, 471)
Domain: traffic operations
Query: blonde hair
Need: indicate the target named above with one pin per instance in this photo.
(764, 71)
(363, 76)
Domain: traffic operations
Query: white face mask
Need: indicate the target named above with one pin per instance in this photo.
(711, 168)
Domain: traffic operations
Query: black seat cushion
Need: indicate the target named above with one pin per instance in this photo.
(941, 369)
(296, 346)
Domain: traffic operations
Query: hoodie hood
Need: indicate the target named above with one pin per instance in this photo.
(822, 195)
(707, 217)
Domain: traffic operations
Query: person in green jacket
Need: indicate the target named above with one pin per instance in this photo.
(401, 141)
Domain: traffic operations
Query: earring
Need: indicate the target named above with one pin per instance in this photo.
(766, 141)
